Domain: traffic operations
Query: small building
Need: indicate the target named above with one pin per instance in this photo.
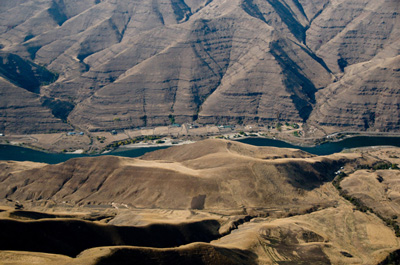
(114, 132)
(1, 134)
(71, 133)
(175, 125)
(81, 133)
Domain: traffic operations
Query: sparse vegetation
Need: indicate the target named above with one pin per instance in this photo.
(338, 179)
(171, 119)
(132, 141)
(101, 139)
(279, 126)
(379, 166)
(360, 206)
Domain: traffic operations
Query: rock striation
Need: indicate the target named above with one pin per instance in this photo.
(214, 61)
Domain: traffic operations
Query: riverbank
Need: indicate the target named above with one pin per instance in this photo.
(17, 153)
(100, 142)
(166, 143)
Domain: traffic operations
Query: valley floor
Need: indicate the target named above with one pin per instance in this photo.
(97, 142)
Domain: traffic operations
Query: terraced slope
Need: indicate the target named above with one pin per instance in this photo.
(123, 64)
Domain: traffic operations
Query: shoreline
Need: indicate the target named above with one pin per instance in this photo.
(139, 149)
(149, 145)
(168, 141)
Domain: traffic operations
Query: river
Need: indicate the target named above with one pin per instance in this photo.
(329, 147)
(16, 153)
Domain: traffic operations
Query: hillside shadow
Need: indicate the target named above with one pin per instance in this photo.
(70, 237)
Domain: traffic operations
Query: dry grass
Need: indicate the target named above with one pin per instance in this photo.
(227, 183)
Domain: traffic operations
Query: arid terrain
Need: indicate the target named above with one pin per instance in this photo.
(95, 75)
(210, 202)
(102, 65)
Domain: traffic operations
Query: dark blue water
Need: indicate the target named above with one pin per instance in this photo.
(16, 153)
(328, 148)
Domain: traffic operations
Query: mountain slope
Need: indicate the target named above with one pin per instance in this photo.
(213, 61)
(364, 99)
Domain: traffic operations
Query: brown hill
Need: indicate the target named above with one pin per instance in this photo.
(377, 187)
(191, 254)
(212, 174)
(332, 236)
(248, 205)
(124, 64)
(196, 253)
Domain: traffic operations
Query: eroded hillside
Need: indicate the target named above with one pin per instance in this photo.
(123, 64)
